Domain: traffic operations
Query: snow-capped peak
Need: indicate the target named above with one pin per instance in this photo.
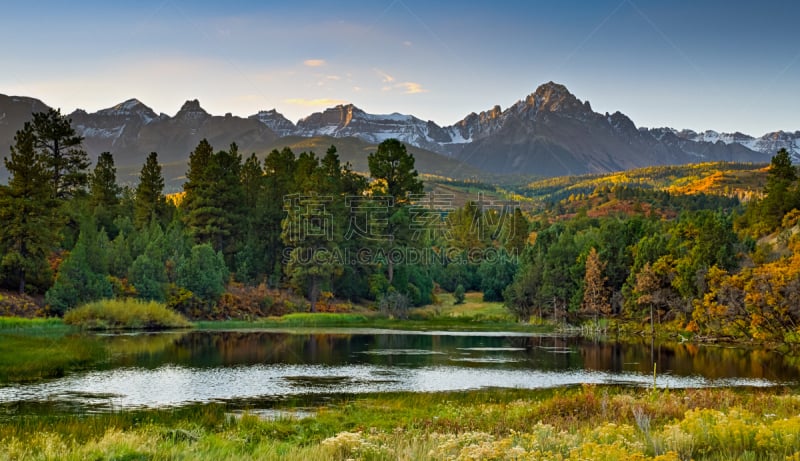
(130, 107)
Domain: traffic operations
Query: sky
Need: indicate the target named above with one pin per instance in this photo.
(726, 66)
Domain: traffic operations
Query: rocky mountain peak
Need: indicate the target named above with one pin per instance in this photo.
(552, 97)
(191, 109)
(130, 107)
(275, 121)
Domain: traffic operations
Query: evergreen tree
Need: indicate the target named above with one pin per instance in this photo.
(197, 184)
(60, 147)
(82, 277)
(104, 192)
(252, 183)
(780, 194)
(150, 201)
(495, 276)
(149, 277)
(516, 233)
(392, 167)
(525, 295)
(29, 227)
(103, 188)
(119, 256)
(204, 273)
(279, 167)
(214, 199)
(250, 259)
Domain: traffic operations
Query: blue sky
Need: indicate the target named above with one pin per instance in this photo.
(700, 65)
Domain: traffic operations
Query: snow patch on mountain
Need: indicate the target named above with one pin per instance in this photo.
(131, 107)
(276, 122)
(105, 133)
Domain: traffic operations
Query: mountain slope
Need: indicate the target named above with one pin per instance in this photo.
(548, 133)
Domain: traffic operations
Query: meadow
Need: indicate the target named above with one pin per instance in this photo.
(585, 422)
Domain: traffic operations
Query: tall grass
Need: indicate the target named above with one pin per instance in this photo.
(598, 423)
(127, 314)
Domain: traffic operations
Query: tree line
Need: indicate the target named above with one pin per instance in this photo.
(715, 270)
(301, 222)
(314, 226)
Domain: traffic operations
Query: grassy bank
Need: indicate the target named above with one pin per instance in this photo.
(33, 349)
(599, 423)
(125, 314)
(306, 320)
(473, 315)
(44, 354)
(19, 323)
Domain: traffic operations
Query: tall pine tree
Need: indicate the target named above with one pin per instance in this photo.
(393, 168)
(103, 188)
(63, 156)
(150, 201)
(29, 225)
(214, 199)
(104, 193)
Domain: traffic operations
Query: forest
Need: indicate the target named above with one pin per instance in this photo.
(298, 232)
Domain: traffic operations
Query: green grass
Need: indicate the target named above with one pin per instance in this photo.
(18, 323)
(589, 422)
(472, 315)
(31, 357)
(473, 309)
(301, 319)
(127, 314)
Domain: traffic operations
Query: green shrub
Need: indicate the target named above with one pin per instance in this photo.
(459, 295)
(126, 314)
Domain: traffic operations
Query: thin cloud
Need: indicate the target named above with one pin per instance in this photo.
(385, 78)
(322, 102)
(314, 62)
(411, 87)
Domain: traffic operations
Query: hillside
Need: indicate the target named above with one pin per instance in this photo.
(660, 190)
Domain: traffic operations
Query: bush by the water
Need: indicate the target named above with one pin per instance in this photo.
(128, 314)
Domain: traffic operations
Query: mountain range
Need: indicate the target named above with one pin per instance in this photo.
(548, 133)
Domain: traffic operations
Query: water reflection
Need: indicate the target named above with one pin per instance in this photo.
(196, 366)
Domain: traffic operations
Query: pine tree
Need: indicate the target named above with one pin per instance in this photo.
(149, 277)
(214, 198)
(150, 201)
(103, 188)
(82, 277)
(780, 197)
(104, 192)
(393, 168)
(279, 167)
(29, 225)
(60, 147)
(197, 179)
(204, 273)
(250, 259)
(516, 232)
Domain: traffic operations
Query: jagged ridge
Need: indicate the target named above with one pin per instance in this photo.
(549, 132)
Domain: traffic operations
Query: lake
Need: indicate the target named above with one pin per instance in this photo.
(176, 368)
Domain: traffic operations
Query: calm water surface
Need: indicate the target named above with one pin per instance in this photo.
(167, 369)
